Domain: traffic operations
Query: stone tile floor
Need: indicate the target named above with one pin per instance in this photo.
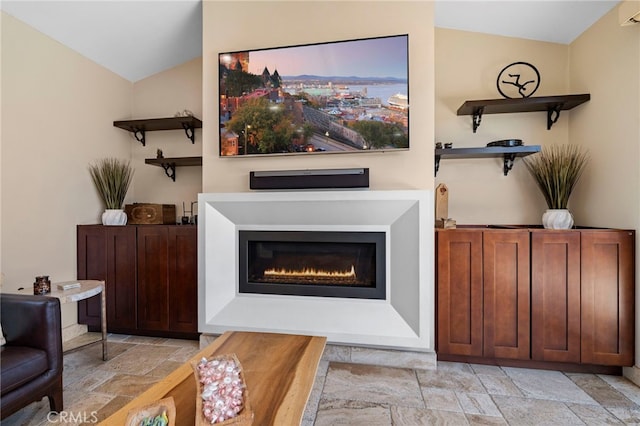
(357, 394)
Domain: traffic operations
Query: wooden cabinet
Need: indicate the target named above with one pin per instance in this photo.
(483, 293)
(459, 289)
(151, 277)
(543, 296)
(183, 279)
(108, 253)
(506, 294)
(607, 299)
(555, 296)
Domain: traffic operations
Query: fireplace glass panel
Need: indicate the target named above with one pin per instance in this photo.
(334, 264)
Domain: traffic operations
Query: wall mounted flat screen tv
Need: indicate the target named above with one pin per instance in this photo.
(340, 96)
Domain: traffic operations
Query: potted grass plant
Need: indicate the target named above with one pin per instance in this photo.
(112, 178)
(556, 170)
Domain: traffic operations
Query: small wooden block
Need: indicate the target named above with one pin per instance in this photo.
(442, 201)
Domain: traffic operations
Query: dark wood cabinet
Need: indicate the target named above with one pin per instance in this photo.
(607, 299)
(183, 279)
(483, 293)
(537, 296)
(506, 294)
(459, 289)
(555, 296)
(108, 253)
(151, 278)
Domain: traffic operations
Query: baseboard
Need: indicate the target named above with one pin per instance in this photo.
(632, 373)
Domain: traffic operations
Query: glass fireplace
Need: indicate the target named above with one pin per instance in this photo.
(313, 263)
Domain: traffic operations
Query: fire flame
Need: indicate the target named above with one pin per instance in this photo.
(310, 272)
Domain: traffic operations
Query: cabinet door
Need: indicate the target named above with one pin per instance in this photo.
(506, 294)
(91, 265)
(183, 279)
(108, 253)
(608, 279)
(555, 296)
(153, 274)
(121, 278)
(459, 292)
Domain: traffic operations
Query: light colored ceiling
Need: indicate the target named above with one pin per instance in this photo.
(136, 39)
(544, 20)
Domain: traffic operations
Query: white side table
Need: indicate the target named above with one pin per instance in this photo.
(87, 289)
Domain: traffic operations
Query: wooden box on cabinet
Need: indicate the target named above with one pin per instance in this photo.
(150, 214)
(151, 278)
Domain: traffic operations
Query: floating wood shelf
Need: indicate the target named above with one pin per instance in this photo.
(551, 104)
(140, 127)
(169, 164)
(509, 154)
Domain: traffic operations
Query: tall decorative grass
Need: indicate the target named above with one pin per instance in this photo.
(557, 169)
(112, 178)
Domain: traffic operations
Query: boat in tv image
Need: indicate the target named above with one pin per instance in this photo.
(331, 97)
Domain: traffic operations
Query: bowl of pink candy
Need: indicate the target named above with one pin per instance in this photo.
(222, 397)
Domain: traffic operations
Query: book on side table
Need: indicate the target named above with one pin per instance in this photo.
(68, 285)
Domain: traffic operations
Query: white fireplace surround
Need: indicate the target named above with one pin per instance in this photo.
(404, 320)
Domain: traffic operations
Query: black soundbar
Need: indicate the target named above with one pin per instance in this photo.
(308, 179)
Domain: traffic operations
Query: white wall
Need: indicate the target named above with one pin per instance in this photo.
(233, 26)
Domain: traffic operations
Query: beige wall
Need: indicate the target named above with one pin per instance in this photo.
(230, 26)
(605, 61)
(467, 65)
(57, 112)
(162, 95)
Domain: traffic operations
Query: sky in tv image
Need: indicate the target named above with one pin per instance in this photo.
(378, 57)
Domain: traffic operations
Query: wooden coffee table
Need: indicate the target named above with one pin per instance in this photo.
(279, 372)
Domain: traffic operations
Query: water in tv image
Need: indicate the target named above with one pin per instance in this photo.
(345, 96)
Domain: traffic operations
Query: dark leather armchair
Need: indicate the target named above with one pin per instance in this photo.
(31, 360)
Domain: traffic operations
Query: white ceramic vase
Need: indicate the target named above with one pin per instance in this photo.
(557, 219)
(114, 217)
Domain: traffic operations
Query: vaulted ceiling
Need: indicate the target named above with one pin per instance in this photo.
(136, 39)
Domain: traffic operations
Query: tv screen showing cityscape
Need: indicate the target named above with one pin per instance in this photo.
(340, 96)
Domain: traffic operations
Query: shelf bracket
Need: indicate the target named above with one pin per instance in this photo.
(437, 165)
(553, 113)
(477, 117)
(170, 170)
(509, 159)
(189, 130)
(139, 135)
